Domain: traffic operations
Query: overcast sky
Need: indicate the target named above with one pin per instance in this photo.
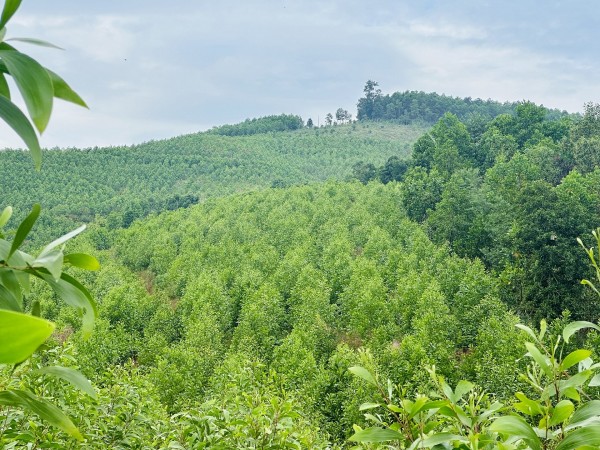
(154, 69)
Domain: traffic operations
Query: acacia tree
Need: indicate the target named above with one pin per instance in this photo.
(22, 329)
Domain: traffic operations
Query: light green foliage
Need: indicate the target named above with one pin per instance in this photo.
(122, 184)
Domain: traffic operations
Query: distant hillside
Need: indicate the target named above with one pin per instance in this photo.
(125, 183)
(417, 106)
(282, 122)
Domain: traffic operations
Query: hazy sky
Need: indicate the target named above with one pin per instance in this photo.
(154, 69)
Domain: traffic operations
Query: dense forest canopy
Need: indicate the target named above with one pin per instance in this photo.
(244, 272)
(417, 106)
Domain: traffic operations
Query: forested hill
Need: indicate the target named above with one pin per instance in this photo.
(124, 183)
(418, 106)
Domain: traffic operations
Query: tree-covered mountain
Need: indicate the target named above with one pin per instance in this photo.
(420, 107)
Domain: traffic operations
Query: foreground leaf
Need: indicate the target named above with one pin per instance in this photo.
(63, 91)
(21, 335)
(515, 426)
(83, 261)
(376, 435)
(10, 8)
(363, 373)
(47, 411)
(72, 376)
(34, 84)
(21, 125)
(574, 327)
(24, 229)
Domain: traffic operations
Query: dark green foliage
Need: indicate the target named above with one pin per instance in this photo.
(412, 106)
(260, 125)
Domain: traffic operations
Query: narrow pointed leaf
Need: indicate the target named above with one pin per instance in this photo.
(21, 335)
(61, 240)
(82, 260)
(39, 42)
(366, 406)
(526, 329)
(63, 91)
(24, 229)
(5, 216)
(10, 8)
(72, 376)
(45, 410)
(363, 373)
(574, 327)
(376, 435)
(540, 359)
(441, 438)
(4, 88)
(21, 125)
(34, 84)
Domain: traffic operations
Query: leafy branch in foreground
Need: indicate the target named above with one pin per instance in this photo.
(23, 332)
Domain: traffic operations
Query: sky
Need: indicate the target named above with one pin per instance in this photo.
(153, 69)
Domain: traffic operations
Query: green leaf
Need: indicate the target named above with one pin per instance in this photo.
(4, 88)
(45, 410)
(21, 335)
(585, 412)
(72, 376)
(574, 327)
(561, 412)
(527, 406)
(75, 294)
(462, 388)
(540, 359)
(5, 216)
(24, 229)
(528, 330)
(595, 381)
(10, 8)
(82, 260)
(588, 437)
(543, 328)
(9, 280)
(61, 240)
(363, 373)
(21, 125)
(442, 438)
(515, 426)
(8, 300)
(366, 406)
(39, 42)
(574, 358)
(34, 84)
(52, 261)
(376, 435)
(63, 91)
